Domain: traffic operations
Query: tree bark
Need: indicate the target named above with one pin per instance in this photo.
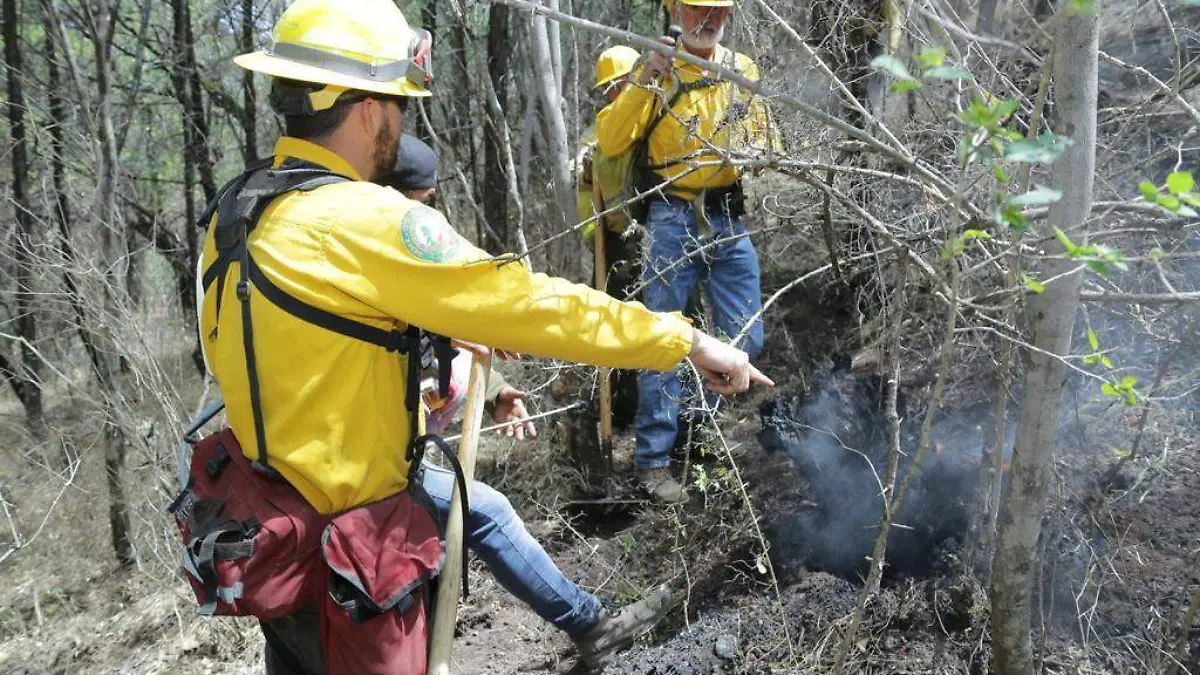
(112, 235)
(62, 200)
(462, 127)
(556, 128)
(495, 202)
(195, 152)
(24, 374)
(987, 17)
(429, 21)
(249, 97)
(1053, 320)
(196, 116)
(103, 344)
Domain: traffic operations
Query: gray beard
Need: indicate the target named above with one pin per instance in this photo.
(697, 42)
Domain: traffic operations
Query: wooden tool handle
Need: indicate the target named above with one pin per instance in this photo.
(449, 585)
(605, 374)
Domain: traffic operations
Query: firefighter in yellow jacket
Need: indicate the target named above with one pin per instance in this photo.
(686, 126)
(612, 76)
(323, 408)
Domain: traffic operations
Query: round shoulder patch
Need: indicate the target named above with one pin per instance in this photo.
(428, 236)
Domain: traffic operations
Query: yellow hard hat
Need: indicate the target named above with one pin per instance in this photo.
(614, 62)
(365, 45)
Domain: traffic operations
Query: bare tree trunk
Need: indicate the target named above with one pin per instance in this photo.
(101, 24)
(555, 35)
(462, 132)
(249, 98)
(62, 201)
(551, 100)
(495, 202)
(112, 231)
(194, 152)
(24, 374)
(196, 116)
(987, 16)
(429, 22)
(1053, 319)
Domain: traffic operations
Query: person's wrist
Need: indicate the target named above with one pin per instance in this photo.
(700, 347)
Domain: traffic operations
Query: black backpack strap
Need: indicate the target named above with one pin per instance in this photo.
(391, 340)
(243, 294)
(234, 186)
(416, 454)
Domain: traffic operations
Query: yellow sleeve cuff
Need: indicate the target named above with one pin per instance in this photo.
(677, 342)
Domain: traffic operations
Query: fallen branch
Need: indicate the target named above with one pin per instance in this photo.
(1141, 298)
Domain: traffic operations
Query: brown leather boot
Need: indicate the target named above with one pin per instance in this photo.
(661, 486)
(616, 631)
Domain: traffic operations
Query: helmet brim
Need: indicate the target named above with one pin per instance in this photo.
(602, 83)
(269, 64)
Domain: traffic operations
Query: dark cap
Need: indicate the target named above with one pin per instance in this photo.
(416, 165)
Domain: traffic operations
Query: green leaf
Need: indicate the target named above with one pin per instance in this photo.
(1010, 216)
(1000, 174)
(1007, 107)
(931, 57)
(1093, 340)
(1169, 203)
(1181, 182)
(1121, 452)
(975, 234)
(1087, 7)
(895, 67)
(1149, 190)
(1106, 362)
(1112, 255)
(905, 85)
(1110, 390)
(1098, 267)
(1038, 196)
(1044, 150)
(1034, 285)
(1128, 382)
(1066, 243)
(947, 73)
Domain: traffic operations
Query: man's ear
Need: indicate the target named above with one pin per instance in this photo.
(368, 114)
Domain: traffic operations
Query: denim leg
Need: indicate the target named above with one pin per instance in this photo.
(735, 289)
(496, 534)
(669, 282)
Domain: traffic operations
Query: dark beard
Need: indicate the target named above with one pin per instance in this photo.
(387, 145)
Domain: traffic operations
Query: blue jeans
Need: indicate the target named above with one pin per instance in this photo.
(734, 295)
(497, 536)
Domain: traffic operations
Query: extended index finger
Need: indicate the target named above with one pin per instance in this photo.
(757, 377)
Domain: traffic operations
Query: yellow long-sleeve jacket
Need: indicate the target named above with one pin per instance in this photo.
(701, 124)
(334, 407)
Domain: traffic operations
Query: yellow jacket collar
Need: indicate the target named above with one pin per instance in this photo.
(288, 146)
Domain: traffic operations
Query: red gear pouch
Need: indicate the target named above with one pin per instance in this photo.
(251, 543)
(381, 559)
